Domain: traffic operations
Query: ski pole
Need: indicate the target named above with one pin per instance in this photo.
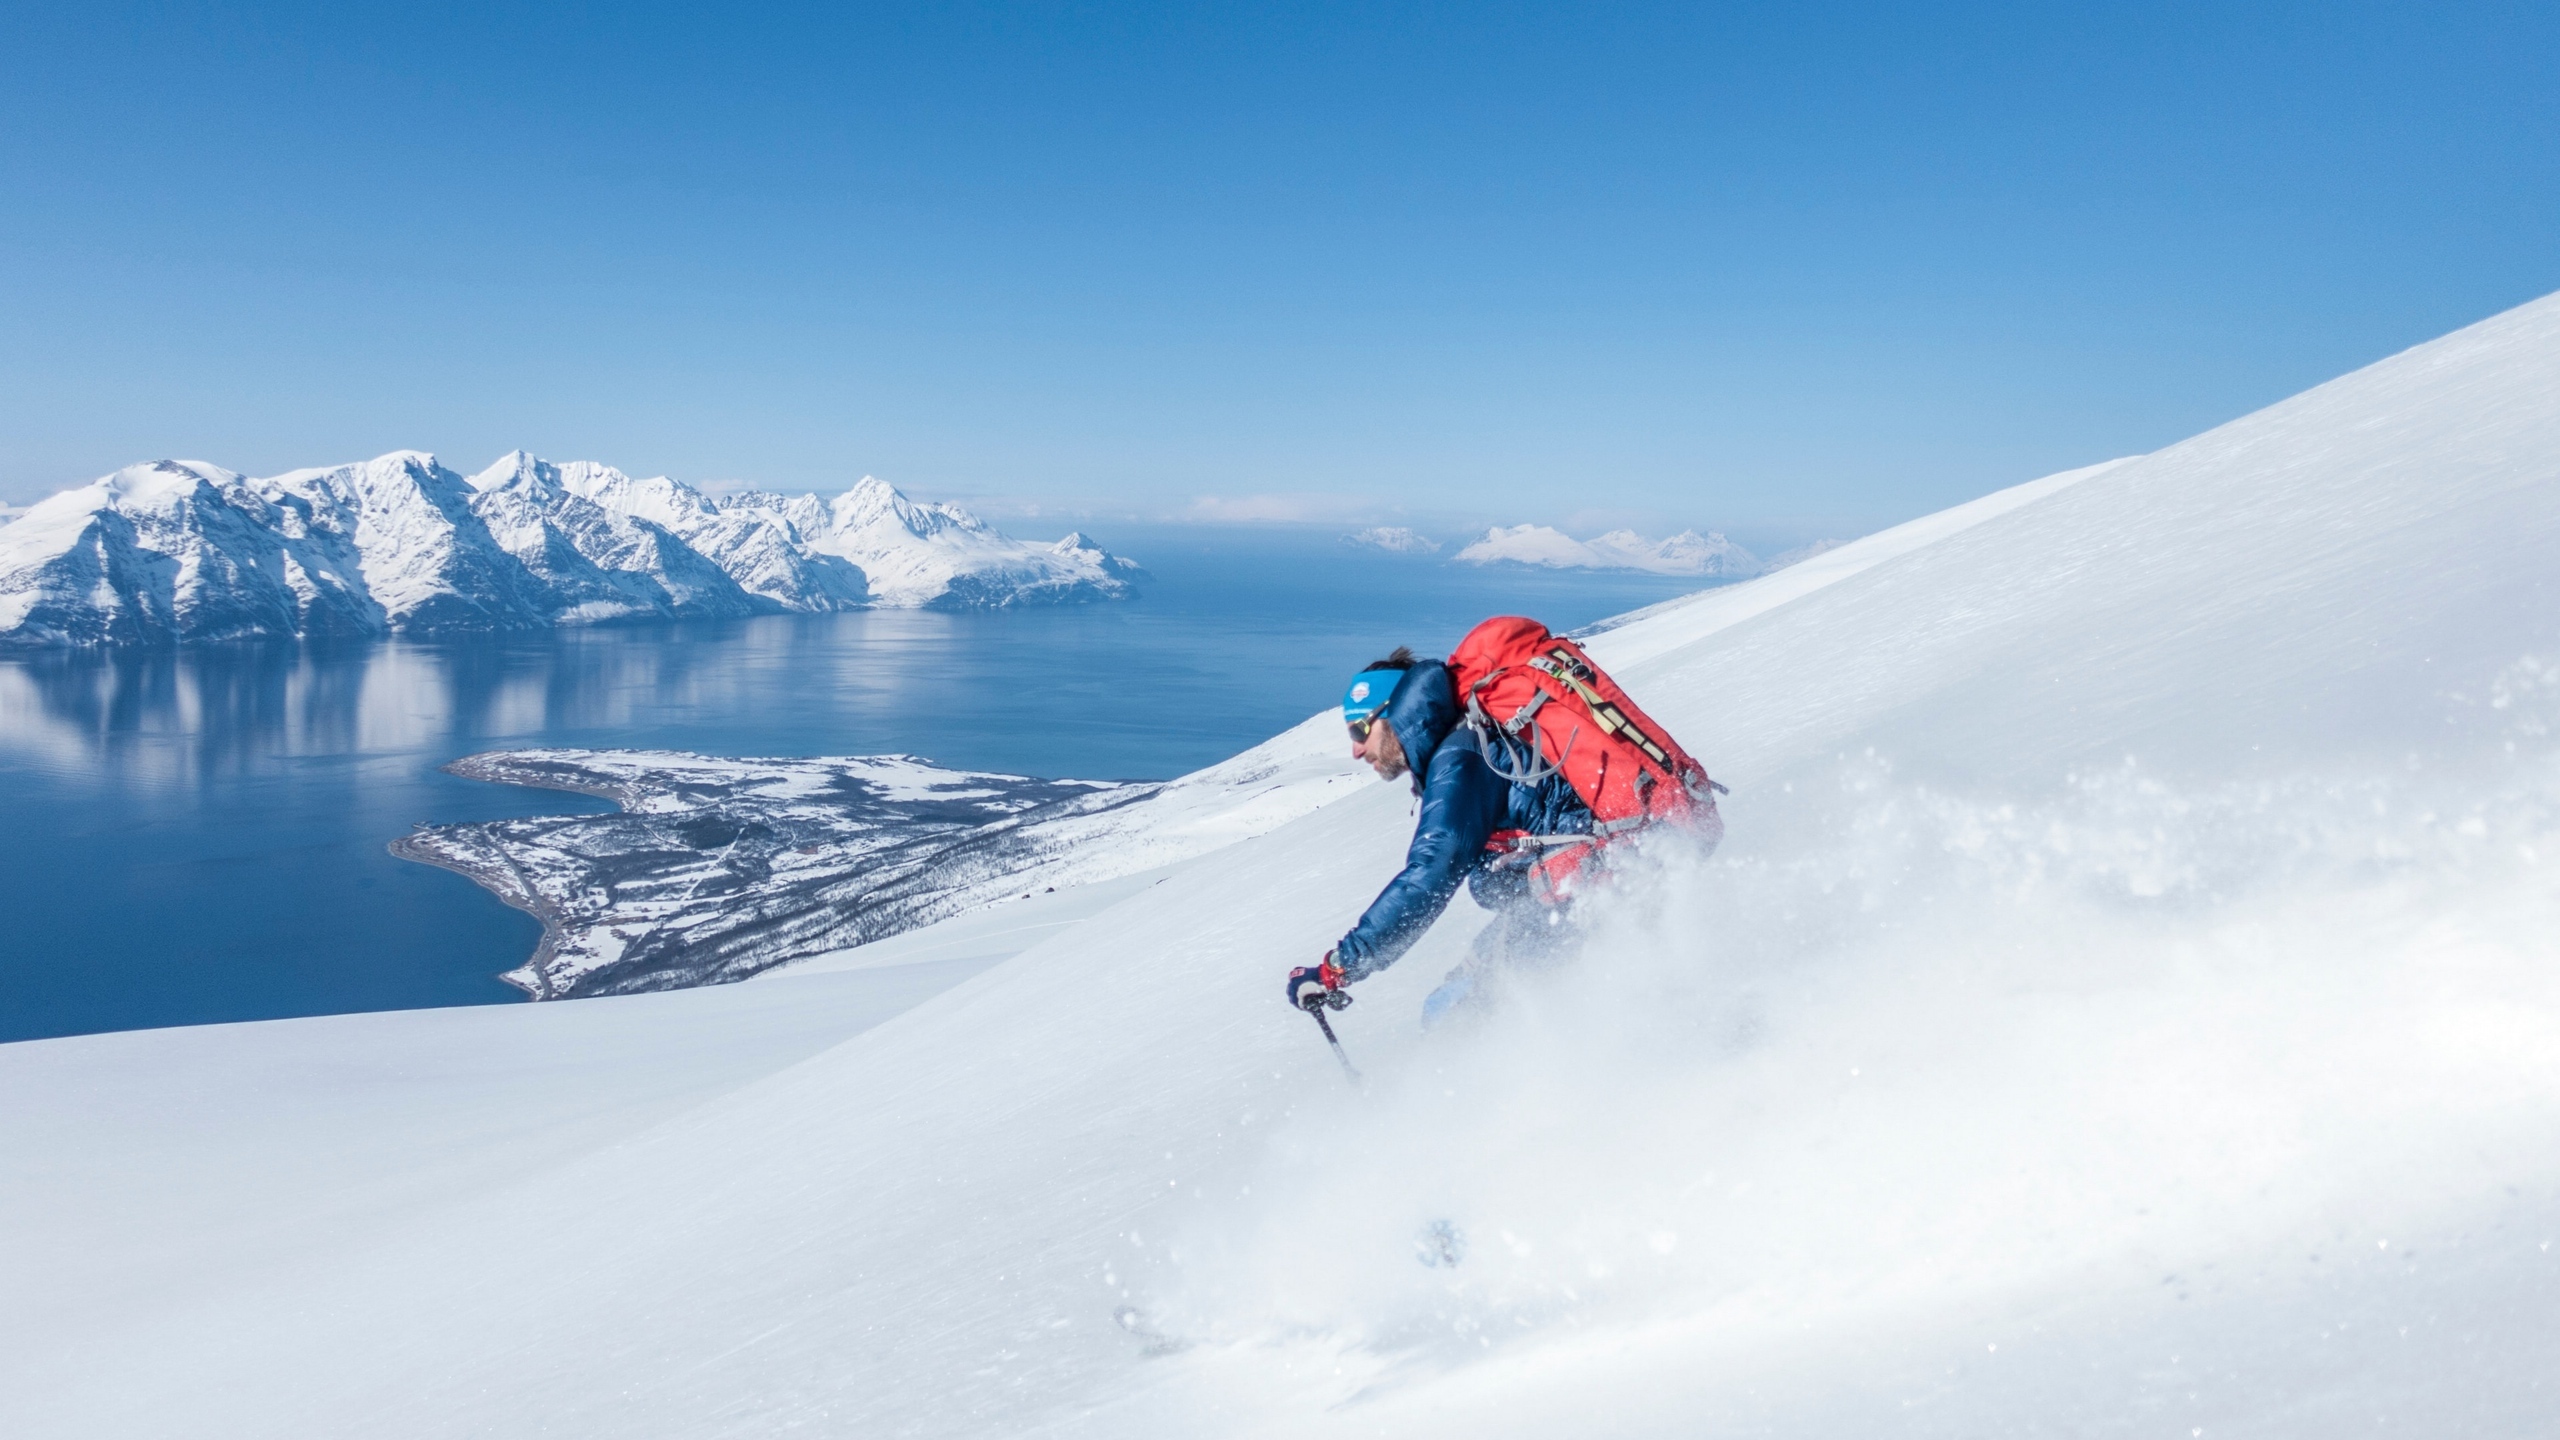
(1316, 1007)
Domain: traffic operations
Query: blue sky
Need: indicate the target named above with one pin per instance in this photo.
(1788, 270)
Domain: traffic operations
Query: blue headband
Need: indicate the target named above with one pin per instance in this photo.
(1369, 692)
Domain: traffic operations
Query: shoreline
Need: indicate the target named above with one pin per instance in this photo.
(710, 870)
(525, 900)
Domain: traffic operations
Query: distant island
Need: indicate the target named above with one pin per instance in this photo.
(1395, 539)
(185, 551)
(1687, 553)
(1709, 556)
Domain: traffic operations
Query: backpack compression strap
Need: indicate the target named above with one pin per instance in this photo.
(1561, 664)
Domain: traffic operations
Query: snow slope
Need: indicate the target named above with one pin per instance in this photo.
(762, 553)
(2125, 1005)
(184, 548)
(602, 561)
(181, 550)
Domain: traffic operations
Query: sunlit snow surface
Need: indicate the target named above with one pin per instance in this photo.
(2126, 1004)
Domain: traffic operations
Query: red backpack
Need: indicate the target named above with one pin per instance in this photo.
(1518, 680)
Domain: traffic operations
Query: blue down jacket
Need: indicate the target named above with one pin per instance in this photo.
(1463, 803)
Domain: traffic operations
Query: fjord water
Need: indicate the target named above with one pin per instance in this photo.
(196, 835)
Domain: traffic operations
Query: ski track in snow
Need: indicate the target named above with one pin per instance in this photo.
(2124, 1005)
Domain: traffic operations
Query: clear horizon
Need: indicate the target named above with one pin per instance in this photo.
(1775, 272)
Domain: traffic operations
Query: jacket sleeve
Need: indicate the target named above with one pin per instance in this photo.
(1462, 804)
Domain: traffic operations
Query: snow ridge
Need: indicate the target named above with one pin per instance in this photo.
(180, 550)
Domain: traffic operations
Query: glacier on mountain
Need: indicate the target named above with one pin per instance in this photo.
(186, 551)
(1687, 553)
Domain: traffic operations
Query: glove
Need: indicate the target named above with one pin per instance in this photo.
(1317, 984)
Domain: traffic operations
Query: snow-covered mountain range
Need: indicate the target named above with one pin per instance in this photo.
(183, 550)
(1687, 553)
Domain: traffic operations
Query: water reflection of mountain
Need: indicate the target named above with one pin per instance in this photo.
(169, 716)
(165, 717)
(161, 718)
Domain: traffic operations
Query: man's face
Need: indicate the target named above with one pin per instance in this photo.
(1381, 751)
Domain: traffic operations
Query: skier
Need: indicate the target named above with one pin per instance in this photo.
(1506, 801)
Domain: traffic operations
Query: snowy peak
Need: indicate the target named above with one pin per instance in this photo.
(671, 503)
(873, 503)
(160, 483)
(427, 558)
(598, 563)
(387, 484)
(1078, 550)
(526, 474)
(922, 554)
(171, 549)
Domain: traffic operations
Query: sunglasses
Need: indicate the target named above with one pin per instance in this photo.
(1360, 730)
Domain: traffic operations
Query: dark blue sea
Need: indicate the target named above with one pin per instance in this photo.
(189, 836)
